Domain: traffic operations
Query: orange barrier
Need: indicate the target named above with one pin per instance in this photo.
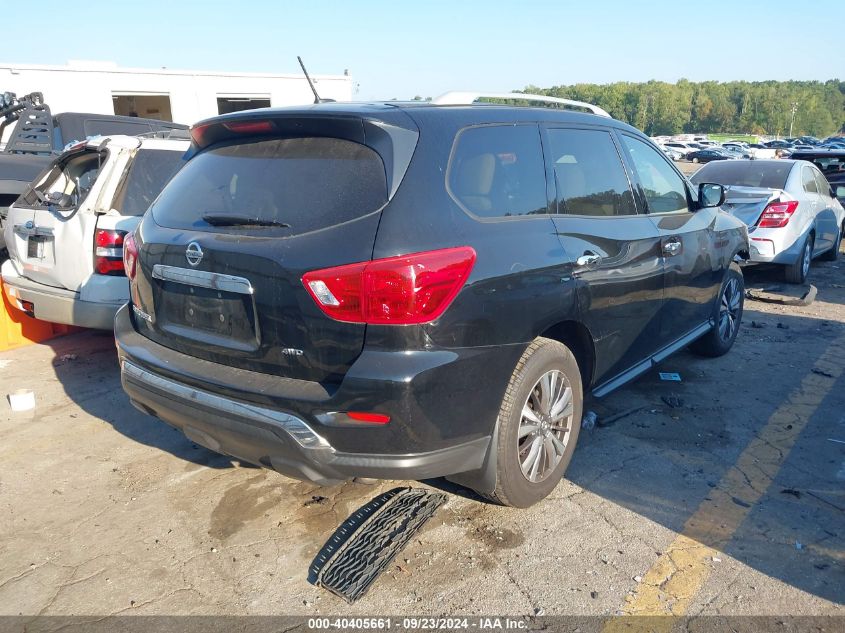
(17, 329)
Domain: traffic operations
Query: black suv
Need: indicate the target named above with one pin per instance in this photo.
(406, 291)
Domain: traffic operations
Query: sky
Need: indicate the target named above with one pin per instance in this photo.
(398, 49)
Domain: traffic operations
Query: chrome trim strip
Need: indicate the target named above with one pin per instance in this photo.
(629, 374)
(203, 279)
(293, 426)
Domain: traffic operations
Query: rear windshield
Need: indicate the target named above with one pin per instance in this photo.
(755, 173)
(306, 183)
(74, 176)
(150, 171)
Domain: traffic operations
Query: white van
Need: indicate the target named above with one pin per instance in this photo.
(65, 233)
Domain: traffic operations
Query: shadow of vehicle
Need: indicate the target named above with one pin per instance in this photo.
(86, 366)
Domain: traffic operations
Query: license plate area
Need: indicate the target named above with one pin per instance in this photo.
(36, 246)
(208, 315)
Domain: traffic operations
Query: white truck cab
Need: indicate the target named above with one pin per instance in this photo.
(65, 233)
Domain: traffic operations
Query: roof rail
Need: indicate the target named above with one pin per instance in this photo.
(467, 98)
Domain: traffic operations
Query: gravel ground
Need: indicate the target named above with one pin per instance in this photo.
(104, 510)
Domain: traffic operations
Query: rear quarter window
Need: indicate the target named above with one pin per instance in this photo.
(149, 172)
(308, 183)
(498, 171)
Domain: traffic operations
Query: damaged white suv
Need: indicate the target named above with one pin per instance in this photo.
(65, 233)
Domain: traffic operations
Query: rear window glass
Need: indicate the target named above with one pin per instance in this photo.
(74, 177)
(808, 179)
(306, 183)
(498, 171)
(150, 171)
(755, 173)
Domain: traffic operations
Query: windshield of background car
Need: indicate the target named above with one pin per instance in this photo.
(308, 183)
(149, 172)
(755, 173)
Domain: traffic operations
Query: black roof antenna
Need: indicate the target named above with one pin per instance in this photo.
(317, 98)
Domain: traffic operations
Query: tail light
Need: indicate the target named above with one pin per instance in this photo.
(130, 256)
(777, 214)
(370, 418)
(400, 290)
(108, 252)
(206, 133)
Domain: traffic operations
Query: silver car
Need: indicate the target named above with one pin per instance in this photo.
(791, 212)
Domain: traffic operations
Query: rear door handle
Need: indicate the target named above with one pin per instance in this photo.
(588, 259)
(672, 248)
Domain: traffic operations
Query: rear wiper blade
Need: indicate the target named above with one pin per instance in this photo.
(222, 219)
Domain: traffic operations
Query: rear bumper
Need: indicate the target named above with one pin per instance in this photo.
(219, 407)
(775, 246)
(56, 305)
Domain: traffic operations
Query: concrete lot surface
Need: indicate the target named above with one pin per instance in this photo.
(721, 494)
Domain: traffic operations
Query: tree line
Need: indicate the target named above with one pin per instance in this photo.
(738, 107)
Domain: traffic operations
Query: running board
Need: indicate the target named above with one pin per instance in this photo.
(368, 541)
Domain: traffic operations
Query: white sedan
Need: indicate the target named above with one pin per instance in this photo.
(789, 207)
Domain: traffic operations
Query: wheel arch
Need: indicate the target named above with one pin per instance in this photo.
(578, 339)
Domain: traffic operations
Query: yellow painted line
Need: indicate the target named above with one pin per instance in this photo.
(668, 588)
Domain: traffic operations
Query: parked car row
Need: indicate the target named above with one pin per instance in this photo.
(702, 150)
(705, 152)
(392, 291)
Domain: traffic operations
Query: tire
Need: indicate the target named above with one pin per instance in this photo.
(797, 273)
(833, 254)
(695, 160)
(547, 366)
(727, 314)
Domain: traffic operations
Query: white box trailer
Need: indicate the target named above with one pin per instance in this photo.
(182, 96)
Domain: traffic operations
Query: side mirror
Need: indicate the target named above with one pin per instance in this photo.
(59, 199)
(710, 195)
(840, 191)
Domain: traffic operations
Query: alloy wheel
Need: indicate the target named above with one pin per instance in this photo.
(729, 310)
(545, 426)
(807, 256)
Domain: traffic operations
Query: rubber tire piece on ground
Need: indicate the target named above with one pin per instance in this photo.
(794, 273)
(711, 344)
(512, 488)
